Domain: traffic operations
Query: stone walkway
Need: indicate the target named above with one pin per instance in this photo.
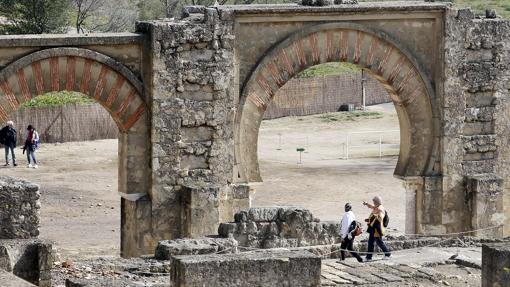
(433, 267)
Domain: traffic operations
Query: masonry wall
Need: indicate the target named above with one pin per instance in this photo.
(19, 208)
(475, 129)
(192, 104)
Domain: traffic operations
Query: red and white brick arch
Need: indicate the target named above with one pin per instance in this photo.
(373, 51)
(98, 76)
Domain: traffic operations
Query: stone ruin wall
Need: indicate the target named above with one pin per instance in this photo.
(191, 88)
(279, 227)
(19, 208)
(21, 253)
(193, 93)
(475, 128)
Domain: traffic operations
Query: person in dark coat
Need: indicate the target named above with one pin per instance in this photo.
(8, 137)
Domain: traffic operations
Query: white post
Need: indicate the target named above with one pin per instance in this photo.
(347, 146)
(380, 145)
(363, 90)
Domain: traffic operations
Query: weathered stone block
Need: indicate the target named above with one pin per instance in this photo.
(227, 229)
(482, 114)
(29, 259)
(197, 134)
(168, 248)
(263, 214)
(10, 280)
(295, 214)
(495, 265)
(485, 194)
(478, 166)
(193, 162)
(19, 208)
(275, 268)
(478, 128)
(480, 143)
(200, 215)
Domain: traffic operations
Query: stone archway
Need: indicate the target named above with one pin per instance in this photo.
(373, 51)
(73, 69)
(120, 92)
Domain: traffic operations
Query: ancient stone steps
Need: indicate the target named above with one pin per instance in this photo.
(345, 273)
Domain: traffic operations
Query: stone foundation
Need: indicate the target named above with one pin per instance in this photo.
(275, 268)
(29, 259)
(19, 208)
(169, 248)
(273, 227)
(496, 265)
(9, 280)
(486, 201)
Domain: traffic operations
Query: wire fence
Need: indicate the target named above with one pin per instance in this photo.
(371, 144)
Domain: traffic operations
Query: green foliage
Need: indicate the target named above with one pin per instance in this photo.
(328, 69)
(349, 116)
(57, 99)
(34, 16)
(151, 9)
(502, 7)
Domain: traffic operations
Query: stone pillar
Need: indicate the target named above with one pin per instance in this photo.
(413, 186)
(485, 194)
(495, 265)
(189, 81)
(200, 211)
(134, 187)
(233, 199)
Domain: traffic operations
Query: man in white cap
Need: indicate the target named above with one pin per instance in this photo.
(9, 137)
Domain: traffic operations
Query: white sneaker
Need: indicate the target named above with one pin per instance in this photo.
(35, 166)
(386, 258)
(29, 165)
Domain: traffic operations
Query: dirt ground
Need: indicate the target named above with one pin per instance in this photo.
(324, 181)
(81, 209)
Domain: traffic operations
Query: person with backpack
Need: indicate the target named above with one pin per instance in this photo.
(31, 144)
(349, 229)
(377, 222)
(8, 137)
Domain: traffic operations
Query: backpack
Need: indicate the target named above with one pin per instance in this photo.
(358, 230)
(386, 219)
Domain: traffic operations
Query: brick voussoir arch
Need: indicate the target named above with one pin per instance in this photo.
(375, 52)
(100, 77)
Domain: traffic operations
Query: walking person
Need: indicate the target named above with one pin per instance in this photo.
(349, 229)
(8, 137)
(376, 228)
(31, 144)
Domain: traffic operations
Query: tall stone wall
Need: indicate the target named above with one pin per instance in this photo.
(190, 83)
(475, 129)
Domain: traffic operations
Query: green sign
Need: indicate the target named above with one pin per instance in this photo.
(300, 149)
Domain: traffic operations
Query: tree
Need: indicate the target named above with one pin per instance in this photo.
(84, 10)
(114, 16)
(35, 16)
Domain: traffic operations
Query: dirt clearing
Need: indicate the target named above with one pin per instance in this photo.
(81, 208)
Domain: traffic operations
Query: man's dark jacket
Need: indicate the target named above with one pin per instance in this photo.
(8, 136)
